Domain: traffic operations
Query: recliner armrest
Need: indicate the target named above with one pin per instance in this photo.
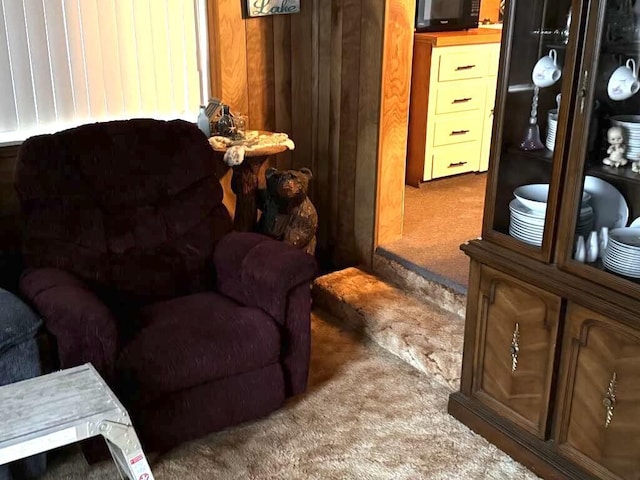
(258, 271)
(85, 329)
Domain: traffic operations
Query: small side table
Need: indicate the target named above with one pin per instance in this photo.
(244, 184)
(64, 407)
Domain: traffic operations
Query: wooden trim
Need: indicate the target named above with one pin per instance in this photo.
(418, 108)
(229, 58)
(394, 119)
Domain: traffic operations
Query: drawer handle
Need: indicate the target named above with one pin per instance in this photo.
(515, 347)
(465, 67)
(459, 132)
(609, 401)
(459, 164)
(462, 100)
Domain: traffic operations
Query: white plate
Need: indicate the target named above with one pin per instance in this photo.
(629, 237)
(609, 206)
(635, 223)
(519, 208)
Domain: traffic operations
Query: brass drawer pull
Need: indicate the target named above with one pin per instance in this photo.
(465, 67)
(462, 100)
(609, 401)
(459, 164)
(515, 347)
(459, 132)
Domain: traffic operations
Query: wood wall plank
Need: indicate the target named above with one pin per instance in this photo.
(282, 81)
(394, 119)
(323, 165)
(261, 95)
(370, 87)
(349, 108)
(335, 97)
(302, 68)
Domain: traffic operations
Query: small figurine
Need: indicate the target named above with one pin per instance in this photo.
(617, 148)
(635, 166)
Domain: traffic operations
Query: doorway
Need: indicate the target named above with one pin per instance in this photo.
(438, 217)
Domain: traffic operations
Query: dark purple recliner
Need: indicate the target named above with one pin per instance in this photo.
(133, 267)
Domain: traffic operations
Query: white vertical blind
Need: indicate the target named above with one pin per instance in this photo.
(67, 62)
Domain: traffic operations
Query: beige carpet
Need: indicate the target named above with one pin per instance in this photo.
(438, 217)
(367, 415)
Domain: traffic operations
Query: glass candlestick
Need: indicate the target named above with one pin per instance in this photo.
(531, 139)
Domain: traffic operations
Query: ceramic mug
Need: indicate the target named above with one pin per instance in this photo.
(623, 83)
(546, 71)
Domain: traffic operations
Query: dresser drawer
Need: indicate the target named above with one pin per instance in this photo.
(454, 159)
(464, 65)
(460, 97)
(457, 129)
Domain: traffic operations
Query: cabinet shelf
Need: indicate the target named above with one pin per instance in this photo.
(610, 173)
(544, 155)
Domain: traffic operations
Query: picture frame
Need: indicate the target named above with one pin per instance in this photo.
(262, 8)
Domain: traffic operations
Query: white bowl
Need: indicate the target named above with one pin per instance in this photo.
(535, 196)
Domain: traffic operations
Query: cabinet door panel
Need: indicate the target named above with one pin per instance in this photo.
(599, 400)
(517, 330)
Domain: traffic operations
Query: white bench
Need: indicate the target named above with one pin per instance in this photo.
(64, 407)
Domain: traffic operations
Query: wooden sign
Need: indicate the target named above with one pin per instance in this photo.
(261, 8)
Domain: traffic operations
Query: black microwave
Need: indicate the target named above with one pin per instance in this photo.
(443, 15)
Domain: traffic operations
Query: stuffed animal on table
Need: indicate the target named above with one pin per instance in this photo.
(287, 212)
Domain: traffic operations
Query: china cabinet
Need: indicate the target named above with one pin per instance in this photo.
(551, 362)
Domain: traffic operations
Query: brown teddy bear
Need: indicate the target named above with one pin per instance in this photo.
(287, 212)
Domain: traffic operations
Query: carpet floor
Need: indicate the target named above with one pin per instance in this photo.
(366, 415)
(438, 217)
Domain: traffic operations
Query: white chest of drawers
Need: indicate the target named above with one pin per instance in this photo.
(452, 98)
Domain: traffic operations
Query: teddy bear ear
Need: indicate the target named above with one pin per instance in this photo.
(270, 172)
(307, 172)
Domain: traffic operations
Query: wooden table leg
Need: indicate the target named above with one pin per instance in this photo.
(244, 184)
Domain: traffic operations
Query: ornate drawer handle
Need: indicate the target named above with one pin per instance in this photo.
(515, 347)
(462, 100)
(459, 132)
(465, 67)
(458, 164)
(609, 401)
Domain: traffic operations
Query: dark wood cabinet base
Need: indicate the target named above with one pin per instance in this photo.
(537, 455)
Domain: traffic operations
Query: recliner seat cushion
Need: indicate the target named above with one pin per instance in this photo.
(192, 340)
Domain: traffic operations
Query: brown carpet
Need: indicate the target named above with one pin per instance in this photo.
(438, 217)
(367, 415)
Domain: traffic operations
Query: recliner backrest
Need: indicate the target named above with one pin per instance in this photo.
(131, 206)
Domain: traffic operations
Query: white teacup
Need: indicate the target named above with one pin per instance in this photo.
(546, 71)
(623, 83)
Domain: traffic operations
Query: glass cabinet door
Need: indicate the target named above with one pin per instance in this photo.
(535, 92)
(599, 234)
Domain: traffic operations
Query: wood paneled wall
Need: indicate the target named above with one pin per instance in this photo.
(318, 76)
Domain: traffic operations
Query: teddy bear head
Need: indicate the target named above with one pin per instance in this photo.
(290, 185)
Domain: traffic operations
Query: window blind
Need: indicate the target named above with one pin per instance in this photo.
(68, 62)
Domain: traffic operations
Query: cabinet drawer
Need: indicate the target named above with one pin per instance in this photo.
(599, 396)
(458, 128)
(516, 340)
(461, 66)
(460, 97)
(455, 159)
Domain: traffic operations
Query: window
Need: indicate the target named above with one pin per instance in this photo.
(77, 61)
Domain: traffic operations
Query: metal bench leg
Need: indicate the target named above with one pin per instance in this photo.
(126, 450)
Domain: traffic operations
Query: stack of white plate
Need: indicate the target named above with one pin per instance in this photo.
(552, 127)
(631, 126)
(622, 254)
(528, 210)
